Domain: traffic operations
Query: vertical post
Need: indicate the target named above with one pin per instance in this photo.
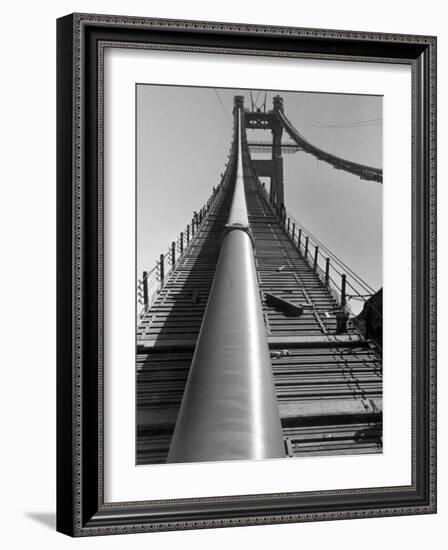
(368, 320)
(145, 289)
(306, 247)
(277, 159)
(343, 289)
(162, 270)
(173, 253)
(289, 221)
(316, 252)
(341, 322)
(181, 242)
(327, 271)
(192, 227)
(293, 230)
(299, 240)
(188, 234)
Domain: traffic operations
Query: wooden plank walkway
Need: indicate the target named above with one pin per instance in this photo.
(329, 387)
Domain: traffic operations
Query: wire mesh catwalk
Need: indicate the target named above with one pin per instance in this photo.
(328, 385)
(328, 388)
(167, 334)
(329, 395)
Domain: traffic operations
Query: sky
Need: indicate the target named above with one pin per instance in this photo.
(183, 139)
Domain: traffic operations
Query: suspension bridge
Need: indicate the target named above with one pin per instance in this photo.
(246, 344)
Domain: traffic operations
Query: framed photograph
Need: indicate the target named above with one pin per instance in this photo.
(246, 274)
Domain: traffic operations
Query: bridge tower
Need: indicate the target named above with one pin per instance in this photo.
(272, 168)
(248, 349)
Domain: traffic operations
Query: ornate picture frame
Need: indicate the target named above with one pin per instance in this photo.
(81, 506)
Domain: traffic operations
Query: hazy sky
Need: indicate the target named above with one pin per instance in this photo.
(183, 138)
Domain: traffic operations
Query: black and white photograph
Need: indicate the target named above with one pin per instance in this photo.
(259, 274)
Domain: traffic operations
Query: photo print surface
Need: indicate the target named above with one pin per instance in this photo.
(259, 274)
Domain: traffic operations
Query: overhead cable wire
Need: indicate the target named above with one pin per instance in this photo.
(354, 123)
(222, 104)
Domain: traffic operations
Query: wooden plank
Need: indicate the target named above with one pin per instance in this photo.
(300, 410)
(284, 305)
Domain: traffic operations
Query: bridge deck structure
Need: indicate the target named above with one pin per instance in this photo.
(328, 381)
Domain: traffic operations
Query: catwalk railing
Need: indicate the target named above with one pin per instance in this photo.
(349, 291)
(153, 281)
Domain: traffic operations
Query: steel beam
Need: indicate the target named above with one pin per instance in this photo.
(229, 409)
(275, 342)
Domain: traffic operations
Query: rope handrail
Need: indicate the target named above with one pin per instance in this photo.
(332, 255)
(316, 242)
(362, 291)
(303, 241)
(155, 279)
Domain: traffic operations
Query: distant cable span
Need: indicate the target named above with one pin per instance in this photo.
(361, 170)
(354, 123)
(222, 105)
